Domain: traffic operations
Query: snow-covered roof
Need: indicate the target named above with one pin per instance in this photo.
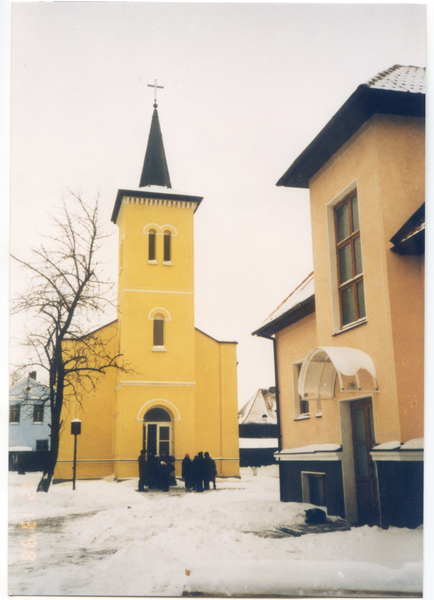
(313, 448)
(261, 408)
(305, 290)
(415, 444)
(20, 448)
(258, 443)
(28, 389)
(400, 79)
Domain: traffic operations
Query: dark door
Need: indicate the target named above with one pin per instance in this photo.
(366, 481)
(151, 446)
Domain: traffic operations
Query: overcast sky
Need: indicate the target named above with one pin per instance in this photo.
(246, 88)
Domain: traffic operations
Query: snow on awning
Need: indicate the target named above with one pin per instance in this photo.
(20, 448)
(354, 368)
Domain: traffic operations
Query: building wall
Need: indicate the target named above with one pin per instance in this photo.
(378, 160)
(95, 452)
(217, 403)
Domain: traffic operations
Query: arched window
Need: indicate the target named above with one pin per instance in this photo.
(151, 245)
(156, 415)
(167, 247)
(158, 330)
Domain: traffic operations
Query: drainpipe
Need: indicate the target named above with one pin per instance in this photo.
(276, 377)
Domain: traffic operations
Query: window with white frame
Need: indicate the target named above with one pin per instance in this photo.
(313, 489)
(38, 413)
(302, 408)
(158, 336)
(349, 261)
(14, 413)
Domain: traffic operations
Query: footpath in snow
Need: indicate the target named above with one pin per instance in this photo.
(106, 539)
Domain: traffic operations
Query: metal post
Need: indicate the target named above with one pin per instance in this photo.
(75, 461)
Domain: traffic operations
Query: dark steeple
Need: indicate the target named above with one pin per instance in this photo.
(155, 171)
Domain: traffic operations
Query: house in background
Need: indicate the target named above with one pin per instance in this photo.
(258, 429)
(350, 339)
(29, 430)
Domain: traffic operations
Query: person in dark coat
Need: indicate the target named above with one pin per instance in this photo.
(210, 471)
(186, 471)
(142, 470)
(153, 472)
(166, 468)
(199, 471)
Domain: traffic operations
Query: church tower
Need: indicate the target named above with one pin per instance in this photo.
(180, 393)
(157, 335)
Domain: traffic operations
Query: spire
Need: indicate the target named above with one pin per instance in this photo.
(155, 171)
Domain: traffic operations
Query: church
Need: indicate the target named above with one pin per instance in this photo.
(180, 393)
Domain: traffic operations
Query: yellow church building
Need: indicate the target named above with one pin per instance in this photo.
(180, 393)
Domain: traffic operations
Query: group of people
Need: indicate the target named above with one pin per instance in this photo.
(156, 472)
(199, 473)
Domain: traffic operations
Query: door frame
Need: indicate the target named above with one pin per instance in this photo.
(348, 463)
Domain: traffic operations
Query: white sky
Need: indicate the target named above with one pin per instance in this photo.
(246, 88)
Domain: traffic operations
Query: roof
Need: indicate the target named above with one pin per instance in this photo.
(155, 170)
(399, 90)
(261, 408)
(299, 304)
(410, 239)
(28, 389)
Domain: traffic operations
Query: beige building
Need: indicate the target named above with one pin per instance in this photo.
(349, 339)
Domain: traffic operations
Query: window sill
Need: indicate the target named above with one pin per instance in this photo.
(302, 418)
(13, 423)
(351, 326)
(38, 422)
(168, 262)
(318, 415)
(152, 262)
(159, 349)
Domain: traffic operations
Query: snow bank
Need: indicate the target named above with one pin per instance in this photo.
(105, 539)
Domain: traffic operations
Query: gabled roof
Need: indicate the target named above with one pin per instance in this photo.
(299, 304)
(155, 170)
(29, 389)
(397, 91)
(261, 408)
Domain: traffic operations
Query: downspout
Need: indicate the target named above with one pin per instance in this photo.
(276, 377)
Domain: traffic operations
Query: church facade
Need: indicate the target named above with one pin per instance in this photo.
(180, 393)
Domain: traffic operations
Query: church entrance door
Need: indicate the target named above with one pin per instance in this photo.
(157, 432)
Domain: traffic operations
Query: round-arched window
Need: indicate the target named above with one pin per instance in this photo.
(157, 415)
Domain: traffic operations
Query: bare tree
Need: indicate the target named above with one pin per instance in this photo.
(65, 295)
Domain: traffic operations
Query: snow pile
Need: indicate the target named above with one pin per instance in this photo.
(106, 539)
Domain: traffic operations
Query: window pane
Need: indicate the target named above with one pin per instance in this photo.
(361, 299)
(362, 460)
(358, 256)
(151, 246)
(355, 213)
(158, 332)
(347, 301)
(359, 422)
(156, 415)
(316, 490)
(167, 247)
(371, 424)
(343, 222)
(345, 268)
(164, 447)
(164, 433)
(304, 407)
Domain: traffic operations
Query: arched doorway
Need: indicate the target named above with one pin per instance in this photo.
(157, 432)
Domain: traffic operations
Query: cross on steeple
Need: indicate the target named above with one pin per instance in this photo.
(155, 86)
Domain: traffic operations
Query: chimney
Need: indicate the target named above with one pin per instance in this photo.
(32, 375)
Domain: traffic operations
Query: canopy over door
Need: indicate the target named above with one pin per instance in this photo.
(354, 368)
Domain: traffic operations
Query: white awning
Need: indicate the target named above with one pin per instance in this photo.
(354, 368)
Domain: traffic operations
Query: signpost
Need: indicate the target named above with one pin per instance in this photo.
(75, 430)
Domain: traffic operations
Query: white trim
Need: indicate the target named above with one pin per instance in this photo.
(309, 456)
(152, 262)
(156, 383)
(154, 311)
(159, 349)
(154, 292)
(167, 263)
(157, 403)
(397, 455)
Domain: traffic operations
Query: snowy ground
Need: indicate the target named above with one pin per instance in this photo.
(106, 539)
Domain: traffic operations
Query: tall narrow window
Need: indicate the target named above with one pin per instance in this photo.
(14, 413)
(167, 247)
(151, 245)
(349, 261)
(38, 413)
(158, 330)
